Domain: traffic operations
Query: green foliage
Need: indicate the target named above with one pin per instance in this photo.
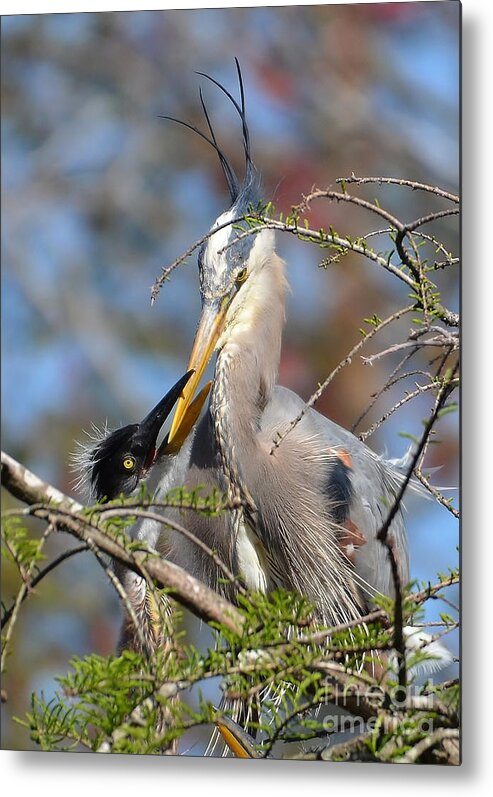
(138, 704)
(18, 547)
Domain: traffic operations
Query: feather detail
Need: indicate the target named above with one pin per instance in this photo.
(83, 459)
(418, 640)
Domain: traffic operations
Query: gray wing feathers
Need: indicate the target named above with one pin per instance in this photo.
(375, 483)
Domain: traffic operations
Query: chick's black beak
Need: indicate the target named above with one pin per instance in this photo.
(150, 427)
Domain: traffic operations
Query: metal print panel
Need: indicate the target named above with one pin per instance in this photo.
(230, 411)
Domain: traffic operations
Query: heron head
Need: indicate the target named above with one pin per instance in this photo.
(117, 463)
(233, 250)
(230, 259)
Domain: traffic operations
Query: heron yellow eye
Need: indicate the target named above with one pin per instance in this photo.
(129, 463)
(241, 276)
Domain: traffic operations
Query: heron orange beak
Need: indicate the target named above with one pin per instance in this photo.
(239, 741)
(188, 420)
(210, 326)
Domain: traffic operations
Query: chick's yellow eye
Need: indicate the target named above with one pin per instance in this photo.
(129, 463)
(241, 276)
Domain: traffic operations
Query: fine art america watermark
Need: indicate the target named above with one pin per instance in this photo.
(349, 721)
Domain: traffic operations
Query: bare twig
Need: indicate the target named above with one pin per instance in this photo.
(393, 378)
(41, 575)
(441, 398)
(438, 214)
(398, 635)
(398, 181)
(120, 591)
(436, 493)
(444, 340)
(316, 395)
(353, 200)
(420, 389)
(389, 542)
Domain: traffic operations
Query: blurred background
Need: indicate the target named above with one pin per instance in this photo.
(98, 194)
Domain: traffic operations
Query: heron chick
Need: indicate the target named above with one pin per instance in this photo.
(116, 464)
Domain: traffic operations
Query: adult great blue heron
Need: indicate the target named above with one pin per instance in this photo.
(312, 507)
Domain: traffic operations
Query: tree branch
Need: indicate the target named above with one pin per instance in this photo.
(187, 590)
(399, 181)
(41, 575)
(29, 488)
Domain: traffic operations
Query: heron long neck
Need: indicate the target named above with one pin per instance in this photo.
(247, 367)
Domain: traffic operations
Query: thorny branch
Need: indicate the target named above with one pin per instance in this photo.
(436, 493)
(394, 377)
(321, 238)
(386, 539)
(420, 389)
(347, 360)
(33, 583)
(399, 181)
(445, 340)
(442, 396)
